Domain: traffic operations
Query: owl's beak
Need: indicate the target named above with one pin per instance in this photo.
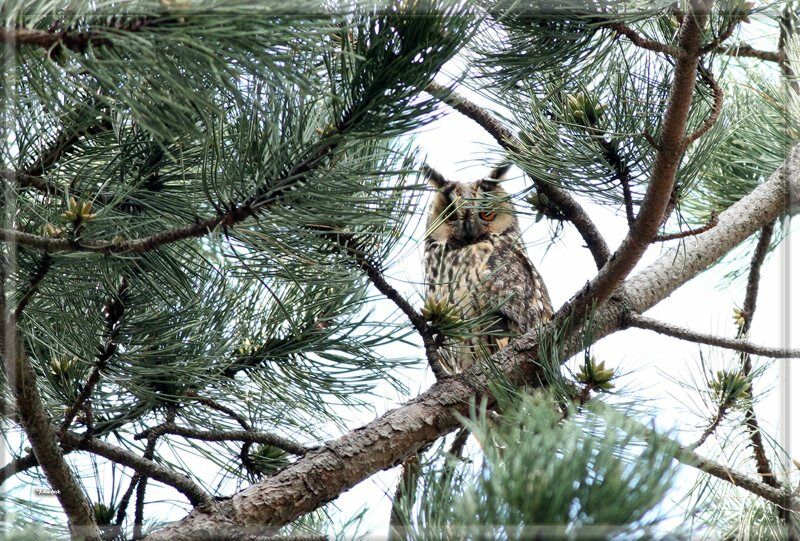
(469, 232)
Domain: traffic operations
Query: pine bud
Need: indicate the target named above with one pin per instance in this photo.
(268, 459)
(739, 317)
(440, 312)
(77, 211)
(596, 374)
(730, 387)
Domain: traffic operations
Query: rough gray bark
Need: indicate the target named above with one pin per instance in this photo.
(327, 471)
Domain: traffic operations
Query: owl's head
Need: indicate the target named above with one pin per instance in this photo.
(468, 212)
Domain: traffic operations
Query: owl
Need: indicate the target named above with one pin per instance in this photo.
(476, 263)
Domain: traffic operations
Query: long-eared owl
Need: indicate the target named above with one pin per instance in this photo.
(475, 263)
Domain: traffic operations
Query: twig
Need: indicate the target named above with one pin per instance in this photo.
(717, 41)
(224, 435)
(77, 41)
(563, 201)
(114, 311)
(712, 427)
(39, 272)
(763, 465)
(642, 42)
(712, 222)
(141, 487)
(406, 488)
(122, 507)
(420, 324)
(736, 344)
(716, 107)
(622, 172)
(742, 50)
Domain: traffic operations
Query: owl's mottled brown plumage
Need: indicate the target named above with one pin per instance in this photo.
(474, 259)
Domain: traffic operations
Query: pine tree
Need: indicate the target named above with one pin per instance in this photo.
(204, 204)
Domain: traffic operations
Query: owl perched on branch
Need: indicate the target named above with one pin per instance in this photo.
(476, 266)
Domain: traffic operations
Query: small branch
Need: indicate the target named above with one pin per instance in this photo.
(420, 324)
(564, 202)
(737, 344)
(716, 107)
(39, 272)
(251, 436)
(643, 43)
(141, 487)
(719, 40)
(122, 507)
(763, 465)
(148, 468)
(622, 172)
(114, 311)
(721, 411)
(406, 488)
(712, 222)
(748, 51)
(77, 41)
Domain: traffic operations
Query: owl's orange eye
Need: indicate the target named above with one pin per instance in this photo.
(487, 216)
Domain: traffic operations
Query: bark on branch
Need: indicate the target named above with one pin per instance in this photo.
(324, 473)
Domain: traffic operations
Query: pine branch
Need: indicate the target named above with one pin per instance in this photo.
(743, 50)
(722, 410)
(114, 311)
(643, 43)
(682, 333)
(716, 107)
(621, 171)
(251, 436)
(324, 473)
(561, 199)
(763, 465)
(77, 41)
(689, 458)
(712, 222)
(406, 488)
(141, 487)
(21, 377)
(429, 339)
(147, 468)
(662, 180)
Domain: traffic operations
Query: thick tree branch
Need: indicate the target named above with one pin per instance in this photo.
(682, 333)
(326, 472)
(563, 201)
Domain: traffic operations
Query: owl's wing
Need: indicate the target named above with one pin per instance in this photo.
(514, 279)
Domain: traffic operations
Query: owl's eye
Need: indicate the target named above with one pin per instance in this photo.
(487, 216)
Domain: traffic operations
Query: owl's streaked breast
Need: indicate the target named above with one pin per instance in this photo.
(456, 274)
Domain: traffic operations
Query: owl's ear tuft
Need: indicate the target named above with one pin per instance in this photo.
(499, 172)
(434, 177)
